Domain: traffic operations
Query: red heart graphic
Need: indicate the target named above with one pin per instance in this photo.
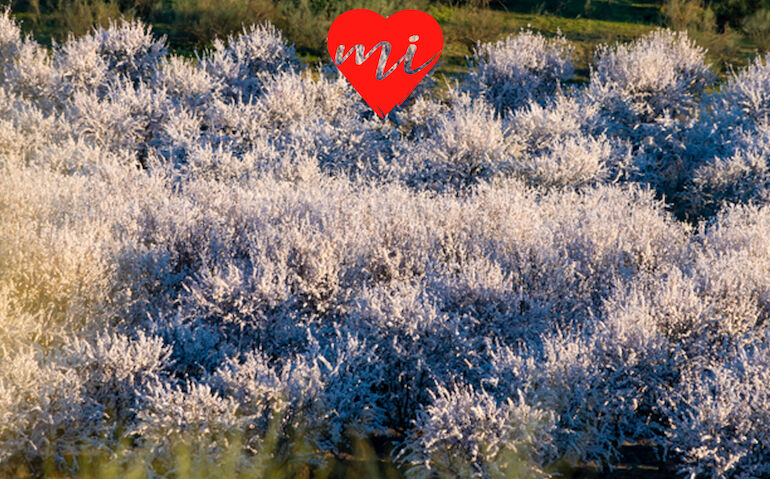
(384, 59)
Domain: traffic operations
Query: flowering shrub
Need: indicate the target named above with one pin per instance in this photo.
(735, 120)
(660, 72)
(466, 433)
(245, 60)
(520, 68)
(715, 401)
(236, 250)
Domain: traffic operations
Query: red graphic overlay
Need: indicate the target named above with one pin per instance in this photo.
(384, 58)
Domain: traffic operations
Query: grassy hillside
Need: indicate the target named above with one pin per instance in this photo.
(192, 24)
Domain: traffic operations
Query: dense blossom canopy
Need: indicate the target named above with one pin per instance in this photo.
(510, 271)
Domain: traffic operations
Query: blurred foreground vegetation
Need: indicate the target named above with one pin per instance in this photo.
(370, 458)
